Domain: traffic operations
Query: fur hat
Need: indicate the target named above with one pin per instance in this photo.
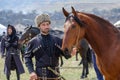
(42, 18)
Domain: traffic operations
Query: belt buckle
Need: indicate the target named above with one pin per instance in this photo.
(12, 53)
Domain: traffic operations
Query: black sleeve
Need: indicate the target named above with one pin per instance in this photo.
(58, 46)
(28, 56)
(66, 55)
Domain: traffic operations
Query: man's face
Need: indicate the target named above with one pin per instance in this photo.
(45, 27)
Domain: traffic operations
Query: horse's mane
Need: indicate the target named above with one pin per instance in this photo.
(30, 27)
(35, 28)
(101, 21)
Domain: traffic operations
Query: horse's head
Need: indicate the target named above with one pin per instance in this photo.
(29, 33)
(73, 30)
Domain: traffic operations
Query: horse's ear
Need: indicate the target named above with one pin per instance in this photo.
(73, 11)
(65, 12)
(30, 27)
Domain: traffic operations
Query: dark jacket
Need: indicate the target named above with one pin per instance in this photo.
(9, 48)
(46, 50)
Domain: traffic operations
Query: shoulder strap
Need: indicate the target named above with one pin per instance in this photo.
(38, 38)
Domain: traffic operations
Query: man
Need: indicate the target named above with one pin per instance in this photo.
(46, 49)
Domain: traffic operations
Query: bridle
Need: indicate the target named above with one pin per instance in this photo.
(75, 18)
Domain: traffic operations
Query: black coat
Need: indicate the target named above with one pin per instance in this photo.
(46, 49)
(12, 59)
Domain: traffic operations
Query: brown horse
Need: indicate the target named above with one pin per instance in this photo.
(101, 35)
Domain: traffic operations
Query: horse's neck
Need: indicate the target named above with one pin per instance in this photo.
(101, 38)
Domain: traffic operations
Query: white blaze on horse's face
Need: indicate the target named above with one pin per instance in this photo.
(66, 26)
(69, 23)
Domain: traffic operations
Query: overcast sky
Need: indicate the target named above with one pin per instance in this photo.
(28, 5)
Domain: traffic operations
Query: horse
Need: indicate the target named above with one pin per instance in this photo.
(27, 35)
(103, 37)
(32, 32)
(85, 53)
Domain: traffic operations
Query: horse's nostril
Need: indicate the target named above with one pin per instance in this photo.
(66, 50)
(66, 53)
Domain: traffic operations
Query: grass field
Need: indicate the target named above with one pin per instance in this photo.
(68, 73)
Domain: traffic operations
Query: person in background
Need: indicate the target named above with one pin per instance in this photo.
(9, 50)
(2, 35)
(98, 73)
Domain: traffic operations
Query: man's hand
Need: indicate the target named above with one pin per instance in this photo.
(33, 76)
(74, 50)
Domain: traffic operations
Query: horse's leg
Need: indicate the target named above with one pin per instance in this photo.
(82, 55)
(86, 63)
(81, 62)
(76, 56)
(87, 70)
(8, 77)
(61, 61)
(18, 75)
(84, 66)
(83, 71)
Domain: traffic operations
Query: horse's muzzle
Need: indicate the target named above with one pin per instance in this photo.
(66, 51)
